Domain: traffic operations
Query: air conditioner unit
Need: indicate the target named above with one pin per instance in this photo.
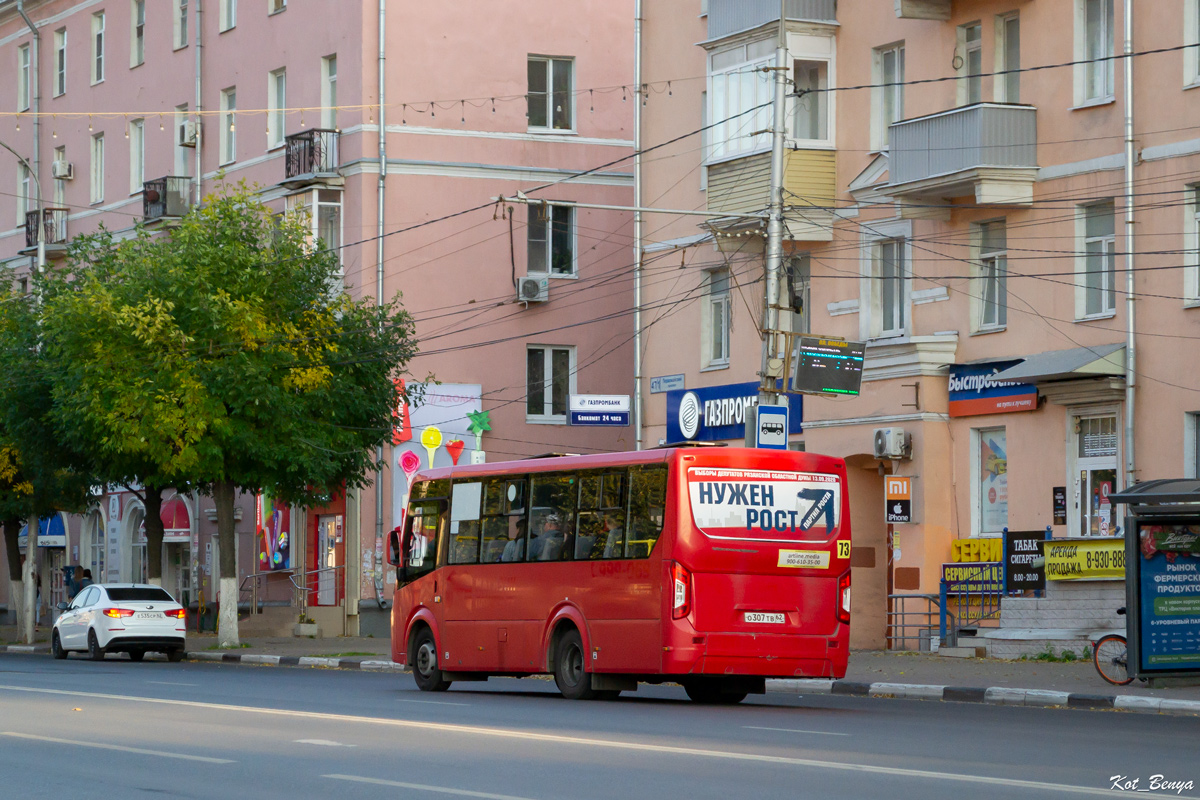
(62, 170)
(187, 133)
(533, 290)
(892, 443)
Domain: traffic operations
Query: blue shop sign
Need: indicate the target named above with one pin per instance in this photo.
(974, 392)
(718, 413)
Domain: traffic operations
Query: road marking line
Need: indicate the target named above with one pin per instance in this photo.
(423, 788)
(324, 743)
(100, 746)
(793, 730)
(172, 683)
(508, 733)
(431, 702)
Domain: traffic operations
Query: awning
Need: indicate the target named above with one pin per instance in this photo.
(1063, 365)
(177, 523)
(51, 533)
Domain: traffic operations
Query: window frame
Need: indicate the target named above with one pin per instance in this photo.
(24, 77)
(718, 302)
(551, 126)
(1191, 247)
(276, 7)
(276, 108)
(977, 474)
(25, 200)
(329, 111)
(60, 62)
(182, 154)
(726, 136)
(1006, 88)
(880, 135)
(825, 103)
(1108, 287)
(228, 18)
(548, 384)
(798, 273)
(60, 185)
(96, 169)
(901, 301)
(541, 216)
(179, 25)
(1086, 72)
(228, 115)
(137, 155)
(137, 38)
(97, 71)
(998, 276)
(970, 84)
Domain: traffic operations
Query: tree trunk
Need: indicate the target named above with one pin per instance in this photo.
(25, 624)
(154, 535)
(16, 599)
(227, 622)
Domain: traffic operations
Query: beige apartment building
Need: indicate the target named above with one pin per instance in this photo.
(956, 197)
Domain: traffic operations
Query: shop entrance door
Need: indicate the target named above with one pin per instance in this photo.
(326, 559)
(1095, 474)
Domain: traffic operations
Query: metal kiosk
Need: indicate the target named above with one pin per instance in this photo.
(1162, 578)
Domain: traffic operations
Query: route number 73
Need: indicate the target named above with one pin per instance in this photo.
(843, 548)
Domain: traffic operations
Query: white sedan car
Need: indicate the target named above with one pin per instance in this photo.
(128, 618)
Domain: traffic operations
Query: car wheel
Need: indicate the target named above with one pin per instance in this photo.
(137, 655)
(569, 673)
(175, 656)
(56, 647)
(425, 663)
(95, 651)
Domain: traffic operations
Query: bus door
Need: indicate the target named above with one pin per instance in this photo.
(418, 587)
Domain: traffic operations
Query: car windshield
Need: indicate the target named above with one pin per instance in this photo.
(138, 594)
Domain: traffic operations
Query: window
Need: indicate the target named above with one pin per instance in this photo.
(275, 6)
(550, 98)
(137, 50)
(423, 528)
(991, 291)
(183, 158)
(970, 42)
(810, 119)
(551, 238)
(1097, 447)
(1191, 444)
(137, 155)
(322, 212)
(990, 487)
(717, 319)
(550, 379)
(888, 96)
(1096, 290)
(60, 61)
(228, 126)
(1007, 88)
(228, 14)
(23, 73)
(276, 104)
(329, 98)
(1094, 78)
(97, 47)
(504, 520)
(705, 141)
(740, 92)
(796, 295)
(181, 23)
(97, 172)
(60, 154)
(889, 288)
(1191, 38)
(25, 200)
(602, 516)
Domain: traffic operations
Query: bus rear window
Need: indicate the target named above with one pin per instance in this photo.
(764, 505)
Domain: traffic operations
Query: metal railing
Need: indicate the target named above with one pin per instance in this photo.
(170, 196)
(970, 601)
(55, 226)
(252, 590)
(912, 620)
(312, 152)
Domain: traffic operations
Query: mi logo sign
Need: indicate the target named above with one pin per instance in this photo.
(897, 499)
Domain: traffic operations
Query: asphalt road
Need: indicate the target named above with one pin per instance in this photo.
(78, 729)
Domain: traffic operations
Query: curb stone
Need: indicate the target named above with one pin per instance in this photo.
(992, 695)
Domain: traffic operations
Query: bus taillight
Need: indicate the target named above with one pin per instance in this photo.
(843, 609)
(682, 579)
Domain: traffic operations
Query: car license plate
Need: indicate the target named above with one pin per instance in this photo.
(763, 616)
(147, 614)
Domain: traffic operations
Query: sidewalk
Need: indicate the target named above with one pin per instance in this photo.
(876, 673)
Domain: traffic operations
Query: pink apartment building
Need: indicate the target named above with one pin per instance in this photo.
(965, 216)
(132, 111)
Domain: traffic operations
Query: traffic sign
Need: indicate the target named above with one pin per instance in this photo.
(771, 427)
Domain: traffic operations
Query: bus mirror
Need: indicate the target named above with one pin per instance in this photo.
(394, 551)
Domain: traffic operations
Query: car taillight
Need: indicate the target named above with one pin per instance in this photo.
(178, 613)
(117, 613)
(682, 581)
(843, 609)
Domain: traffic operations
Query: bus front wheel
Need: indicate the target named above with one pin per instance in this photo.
(573, 680)
(424, 661)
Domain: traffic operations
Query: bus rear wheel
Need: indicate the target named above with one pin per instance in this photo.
(709, 692)
(569, 673)
(424, 661)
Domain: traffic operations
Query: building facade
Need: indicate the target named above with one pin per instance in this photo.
(395, 141)
(956, 197)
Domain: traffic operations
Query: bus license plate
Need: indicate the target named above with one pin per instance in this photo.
(762, 616)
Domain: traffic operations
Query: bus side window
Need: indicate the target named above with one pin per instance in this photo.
(420, 556)
(647, 503)
(602, 516)
(465, 523)
(553, 503)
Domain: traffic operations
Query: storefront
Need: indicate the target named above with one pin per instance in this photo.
(326, 554)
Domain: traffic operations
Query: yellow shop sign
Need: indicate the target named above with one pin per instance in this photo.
(1085, 559)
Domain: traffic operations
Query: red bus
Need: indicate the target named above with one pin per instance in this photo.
(715, 568)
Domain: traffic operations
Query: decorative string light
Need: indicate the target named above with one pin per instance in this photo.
(432, 110)
(462, 111)
(669, 92)
(493, 105)
(160, 123)
(89, 123)
(54, 125)
(127, 127)
(591, 100)
(404, 114)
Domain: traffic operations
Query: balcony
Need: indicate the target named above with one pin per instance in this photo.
(988, 150)
(743, 186)
(923, 9)
(312, 157)
(166, 198)
(55, 229)
(727, 17)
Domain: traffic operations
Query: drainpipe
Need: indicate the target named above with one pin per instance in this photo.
(36, 74)
(379, 482)
(637, 224)
(1130, 342)
(199, 101)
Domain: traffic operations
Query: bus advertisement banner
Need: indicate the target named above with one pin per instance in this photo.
(765, 505)
(1168, 585)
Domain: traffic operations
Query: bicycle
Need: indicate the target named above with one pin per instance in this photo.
(1111, 657)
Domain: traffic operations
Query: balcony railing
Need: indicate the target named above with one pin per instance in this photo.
(313, 152)
(55, 227)
(973, 148)
(166, 198)
(727, 17)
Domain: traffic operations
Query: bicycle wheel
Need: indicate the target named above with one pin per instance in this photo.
(1111, 659)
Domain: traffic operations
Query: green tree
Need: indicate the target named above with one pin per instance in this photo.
(224, 353)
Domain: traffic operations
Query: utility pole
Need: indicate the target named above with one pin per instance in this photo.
(767, 393)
